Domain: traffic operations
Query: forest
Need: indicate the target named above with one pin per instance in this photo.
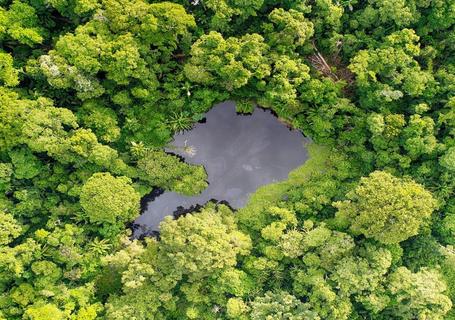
(91, 91)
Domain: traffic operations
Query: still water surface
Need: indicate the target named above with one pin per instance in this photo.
(239, 152)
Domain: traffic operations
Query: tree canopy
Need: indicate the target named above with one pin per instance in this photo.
(92, 93)
(385, 208)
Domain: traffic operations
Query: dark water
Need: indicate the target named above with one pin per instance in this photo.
(239, 152)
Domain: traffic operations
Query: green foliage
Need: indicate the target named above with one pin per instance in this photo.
(169, 172)
(225, 12)
(281, 91)
(26, 165)
(236, 309)
(12, 113)
(248, 63)
(6, 171)
(115, 44)
(103, 121)
(448, 159)
(385, 208)
(92, 91)
(9, 228)
(109, 199)
(36, 273)
(376, 71)
(402, 142)
(428, 303)
(186, 246)
(229, 63)
(287, 30)
(189, 270)
(281, 306)
(43, 312)
(20, 23)
(8, 74)
(180, 122)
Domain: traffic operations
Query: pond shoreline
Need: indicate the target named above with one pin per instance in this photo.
(240, 152)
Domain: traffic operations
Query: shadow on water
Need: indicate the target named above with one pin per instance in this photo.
(239, 153)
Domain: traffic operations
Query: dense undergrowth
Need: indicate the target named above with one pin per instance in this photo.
(91, 91)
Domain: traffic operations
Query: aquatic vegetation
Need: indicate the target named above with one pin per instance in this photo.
(180, 122)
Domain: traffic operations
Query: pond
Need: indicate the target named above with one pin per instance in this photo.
(239, 152)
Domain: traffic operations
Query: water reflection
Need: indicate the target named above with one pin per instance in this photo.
(239, 152)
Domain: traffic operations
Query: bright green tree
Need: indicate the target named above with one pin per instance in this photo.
(280, 305)
(287, 30)
(417, 295)
(109, 199)
(169, 172)
(202, 243)
(20, 23)
(43, 312)
(386, 208)
(9, 228)
(229, 63)
(8, 74)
